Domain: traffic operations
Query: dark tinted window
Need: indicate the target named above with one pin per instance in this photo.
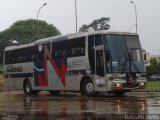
(91, 53)
(59, 49)
(76, 47)
(27, 54)
(69, 48)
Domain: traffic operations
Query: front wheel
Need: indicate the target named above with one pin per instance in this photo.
(87, 88)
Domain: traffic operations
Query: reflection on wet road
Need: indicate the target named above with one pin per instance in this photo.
(74, 106)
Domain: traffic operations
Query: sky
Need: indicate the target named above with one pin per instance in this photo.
(61, 13)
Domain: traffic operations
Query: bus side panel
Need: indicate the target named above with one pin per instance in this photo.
(54, 81)
(77, 68)
(9, 83)
(15, 74)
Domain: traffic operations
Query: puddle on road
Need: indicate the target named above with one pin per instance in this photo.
(76, 107)
(153, 104)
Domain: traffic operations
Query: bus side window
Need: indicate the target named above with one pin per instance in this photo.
(14, 56)
(60, 49)
(21, 55)
(8, 57)
(78, 51)
(35, 53)
(91, 53)
(32, 53)
(76, 47)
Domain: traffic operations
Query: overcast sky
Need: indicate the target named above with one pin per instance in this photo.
(61, 14)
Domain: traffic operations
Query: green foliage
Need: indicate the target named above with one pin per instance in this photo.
(154, 67)
(26, 31)
(99, 24)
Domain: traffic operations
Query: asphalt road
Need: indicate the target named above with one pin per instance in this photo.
(17, 105)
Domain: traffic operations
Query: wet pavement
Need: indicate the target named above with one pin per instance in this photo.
(17, 105)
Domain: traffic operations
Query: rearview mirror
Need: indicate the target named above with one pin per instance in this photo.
(144, 56)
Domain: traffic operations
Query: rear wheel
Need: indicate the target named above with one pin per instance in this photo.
(28, 88)
(87, 88)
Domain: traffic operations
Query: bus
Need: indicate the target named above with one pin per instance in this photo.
(90, 63)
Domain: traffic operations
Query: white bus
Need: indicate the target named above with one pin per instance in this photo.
(89, 63)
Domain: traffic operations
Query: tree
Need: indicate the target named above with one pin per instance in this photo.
(99, 24)
(153, 68)
(26, 31)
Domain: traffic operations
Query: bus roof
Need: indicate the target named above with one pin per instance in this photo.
(76, 35)
(65, 37)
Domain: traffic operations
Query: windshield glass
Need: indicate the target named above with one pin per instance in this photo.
(117, 48)
(135, 51)
(125, 54)
(134, 47)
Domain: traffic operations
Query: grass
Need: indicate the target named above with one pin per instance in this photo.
(153, 85)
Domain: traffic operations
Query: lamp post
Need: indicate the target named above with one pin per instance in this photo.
(135, 13)
(76, 14)
(37, 16)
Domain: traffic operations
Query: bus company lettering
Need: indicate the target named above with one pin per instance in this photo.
(74, 63)
(14, 69)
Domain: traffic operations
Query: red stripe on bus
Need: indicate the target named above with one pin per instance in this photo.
(61, 73)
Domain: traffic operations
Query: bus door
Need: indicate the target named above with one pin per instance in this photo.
(99, 61)
(100, 67)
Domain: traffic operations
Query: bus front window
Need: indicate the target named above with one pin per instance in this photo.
(135, 50)
(117, 48)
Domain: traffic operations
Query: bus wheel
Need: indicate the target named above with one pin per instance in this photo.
(27, 87)
(87, 88)
(54, 93)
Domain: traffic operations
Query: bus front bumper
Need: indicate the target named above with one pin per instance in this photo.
(118, 86)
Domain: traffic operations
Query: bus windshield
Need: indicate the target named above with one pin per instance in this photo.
(135, 51)
(117, 48)
(125, 54)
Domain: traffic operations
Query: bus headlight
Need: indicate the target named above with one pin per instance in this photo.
(117, 85)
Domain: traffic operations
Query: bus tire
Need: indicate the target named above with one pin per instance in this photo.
(87, 88)
(28, 87)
